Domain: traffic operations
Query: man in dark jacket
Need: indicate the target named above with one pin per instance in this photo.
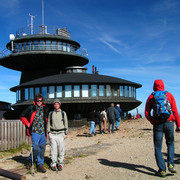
(161, 126)
(35, 119)
(111, 114)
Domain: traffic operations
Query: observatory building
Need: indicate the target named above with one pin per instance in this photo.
(52, 64)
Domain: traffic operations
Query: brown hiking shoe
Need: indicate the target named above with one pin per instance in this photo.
(41, 168)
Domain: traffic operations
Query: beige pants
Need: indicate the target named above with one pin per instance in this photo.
(57, 148)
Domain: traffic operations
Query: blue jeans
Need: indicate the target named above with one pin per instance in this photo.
(109, 127)
(118, 122)
(168, 129)
(39, 146)
(93, 126)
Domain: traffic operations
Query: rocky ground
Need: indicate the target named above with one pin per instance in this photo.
(126, 154)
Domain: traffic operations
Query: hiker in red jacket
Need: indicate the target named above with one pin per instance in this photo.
(34, 118)
(161, 126)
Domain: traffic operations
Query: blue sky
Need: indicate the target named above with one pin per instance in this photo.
(137, 40)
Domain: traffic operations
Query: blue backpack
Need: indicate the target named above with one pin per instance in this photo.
(162, 107)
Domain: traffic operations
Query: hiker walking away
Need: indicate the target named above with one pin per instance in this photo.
(57, 130)
(98, 120)
(165, 112)
(92, 121)
(34, 118)
(111, 114)
(104, 120)
(118, 116)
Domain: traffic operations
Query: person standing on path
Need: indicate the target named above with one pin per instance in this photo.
(104, 120)
(118, 116)
(34, 118)
(57, 130)
(162, 126)
(92, 121)
(111, 114)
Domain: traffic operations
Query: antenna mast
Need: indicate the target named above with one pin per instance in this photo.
(42, 12)
(31, 22)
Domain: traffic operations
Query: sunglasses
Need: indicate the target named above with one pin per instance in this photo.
(38, 100)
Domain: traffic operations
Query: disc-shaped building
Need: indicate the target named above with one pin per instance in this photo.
(52, 64)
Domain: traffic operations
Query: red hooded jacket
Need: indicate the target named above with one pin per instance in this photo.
(159, 86)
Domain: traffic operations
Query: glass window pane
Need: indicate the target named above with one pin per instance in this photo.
(68, 47)
(26, 93)
(115, 90)
(59, 91)
(51, 91)
(44, 91)
(64, 46)
(48, 44)
(121, 91)
(42, 45)
(76, 91)
(35, 47)
(108, 90)
(93, 90)
(126, 91)
(85, 91)
(31, 93)
(17, 95)
(68, 91)
(101, 90)
(60, 46)
(37, 91)
(54, 45)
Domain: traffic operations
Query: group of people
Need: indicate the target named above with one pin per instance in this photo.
(100, 118)
(41, 123)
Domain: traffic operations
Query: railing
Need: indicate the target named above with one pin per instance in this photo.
(30, 30)
(12, 134)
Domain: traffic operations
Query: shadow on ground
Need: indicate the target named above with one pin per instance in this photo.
(133, 167)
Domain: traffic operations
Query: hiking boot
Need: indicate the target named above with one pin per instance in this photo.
(90, 135)
(60, 167)
(40, 168)
(171, 169)
(161, 173)
(28, 165)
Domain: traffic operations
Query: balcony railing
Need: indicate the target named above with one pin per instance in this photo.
(30, 30)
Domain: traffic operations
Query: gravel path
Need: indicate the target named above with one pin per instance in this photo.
(126, 154)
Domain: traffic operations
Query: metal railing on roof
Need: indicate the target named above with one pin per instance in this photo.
(43, 29)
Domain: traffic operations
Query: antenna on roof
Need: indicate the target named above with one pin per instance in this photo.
(42, 12)
(31, 22)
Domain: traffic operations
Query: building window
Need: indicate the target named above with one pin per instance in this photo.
(121, 91)
(115, 90)
(18, 95)
(26, 94)
(48, 44)
(42, 45)
(94, 90)
(51, 91)
(101, 90)
(35, 45)
(126, 91)
(68, 47)
(85, 91)
(44, 91)
(37, 91)
(68, 91)
(31, 93)
(77, 116)
(76, 90)
(108, 90)
(60, 46)
(54, 45)
(64, 46)
(59, 91)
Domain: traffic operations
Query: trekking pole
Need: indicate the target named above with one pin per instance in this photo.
(32, 158)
